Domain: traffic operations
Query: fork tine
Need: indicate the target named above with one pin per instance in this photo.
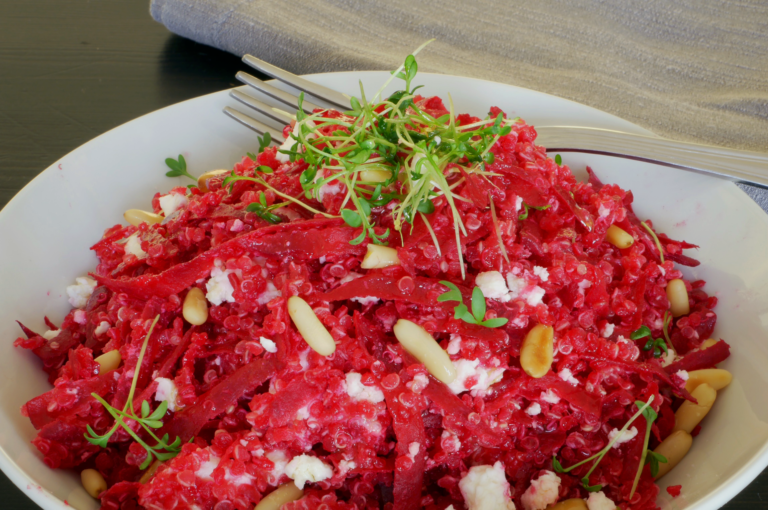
(275, 114)
(275, 93)
(339, 100)
(254, 124)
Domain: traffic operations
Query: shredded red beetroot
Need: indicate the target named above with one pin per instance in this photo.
(674, 490)
(369, 427)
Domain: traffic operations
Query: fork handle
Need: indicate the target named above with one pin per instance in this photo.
(735, 165)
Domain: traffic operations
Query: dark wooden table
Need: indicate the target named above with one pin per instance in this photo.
(73, 69)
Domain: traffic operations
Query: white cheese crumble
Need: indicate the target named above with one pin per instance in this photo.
(268, 295)
(454, 344)
(466, 368)
(519, 288)
(549, 397)
(567, 376)
(166, 391)
(280, 460)
(366, 300)
(102, 328)
(518, 204)
(358, 391)
(450, 441)
(79, 317)
(172, 202)
(682, 374)
(625, 437)
(304, 468)
(50, 335)
(535, 295)
(669, 358)
(81, 291)
(599, 501)
(542, 492)
(328, 189)
(493, 286)
(541, 272)
(268, 344)
(219, 288)
(290, 142)
(413, 451)
(534, 409)
(486, 488)
(133, 246)
(206, 468)
(608, 330)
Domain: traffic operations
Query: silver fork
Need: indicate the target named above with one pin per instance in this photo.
(735, 165)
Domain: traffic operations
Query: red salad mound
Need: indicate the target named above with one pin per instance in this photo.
(368, 426)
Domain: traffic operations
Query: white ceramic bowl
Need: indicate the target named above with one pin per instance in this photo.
(46, 230)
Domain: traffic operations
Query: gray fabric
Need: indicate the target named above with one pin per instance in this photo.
(687, 69)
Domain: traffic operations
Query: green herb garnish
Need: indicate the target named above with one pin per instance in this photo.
(650, 416)
(558, 160)
(658, 345)
(478, 307)
(655, 240)
(163, 450)
(526, 206)
(264, 211)
(178, 168)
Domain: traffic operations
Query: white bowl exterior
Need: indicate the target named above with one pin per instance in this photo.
(47, 229)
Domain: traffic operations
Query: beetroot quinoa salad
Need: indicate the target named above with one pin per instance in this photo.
(397, 308)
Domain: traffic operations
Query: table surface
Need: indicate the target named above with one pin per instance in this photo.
(73, 69)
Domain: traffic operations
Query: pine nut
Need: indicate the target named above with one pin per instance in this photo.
(93, 483)
(537, 351)
(706, 344)
(195, 308)
(422, 346)
(717, 378)
(674, 448)
(380, 256)
(689, 414)
(202, 181)
(150, 471)
(109, 361)
(276, 499)
(374, 175)
(678, 297)
(136, 217)
(569, 504)
(311, 329)
(619, 237)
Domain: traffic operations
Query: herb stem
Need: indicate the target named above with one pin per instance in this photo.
(655, 240)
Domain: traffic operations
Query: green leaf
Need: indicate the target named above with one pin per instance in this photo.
(649, 414)
(359, 239)
(355, 105)
(155, 424)
(144, 465)
(308, 176)
(495, 323)
(359, 157)
(173, 164)
(558, 160)
(489, 158)
(264, 141)
(264, 169)
(426, 207)
(454, 294)
(159, 413)
(461, 312)
(368, 144)
(144, 409)
(590, 488)
(365, 206)
(648, 345)
(478, 304)
(351, 218)
(641, 332)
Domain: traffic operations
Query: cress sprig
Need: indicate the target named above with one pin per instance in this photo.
(478, 303)
(656, 344)
(161, 451)
(381, 142)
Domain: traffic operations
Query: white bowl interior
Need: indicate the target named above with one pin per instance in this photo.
(47, 229)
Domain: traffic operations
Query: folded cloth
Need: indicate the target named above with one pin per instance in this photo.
(689, 69)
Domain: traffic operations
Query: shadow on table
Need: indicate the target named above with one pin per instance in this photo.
(188, 69)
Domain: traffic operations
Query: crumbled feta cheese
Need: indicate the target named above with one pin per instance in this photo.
(321, 259)
(450, 442)
(305, 468)
(541, 272)
(206, 468)
(516, 284)
(81, 291)
(599, 501)
(268, 344)
(172, 202)
(534, 295)
(413, 451)
(669, 358)
(166, 391)
(603, 211)
(567, 376)
(454, 344)
(133, 246)
(50, 335)
(358, 391)
(350, 276)
(486, 488)
(102, 328)
(549, 397)
(682, 374)
(268, 295)
(346, 465)
(518, 204)
(583, 285)
(237, 226)
(519, 288)
(303, 413)
(621, 438)
(493, 286)
(290, 142)
(420, 381)
(542, 492)
(328, 189)
(533, 409)
(79, 317)
(367, 300)
(219, 288)
(243, 479)
(608, 330)
(280, 460)
(466, 369)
